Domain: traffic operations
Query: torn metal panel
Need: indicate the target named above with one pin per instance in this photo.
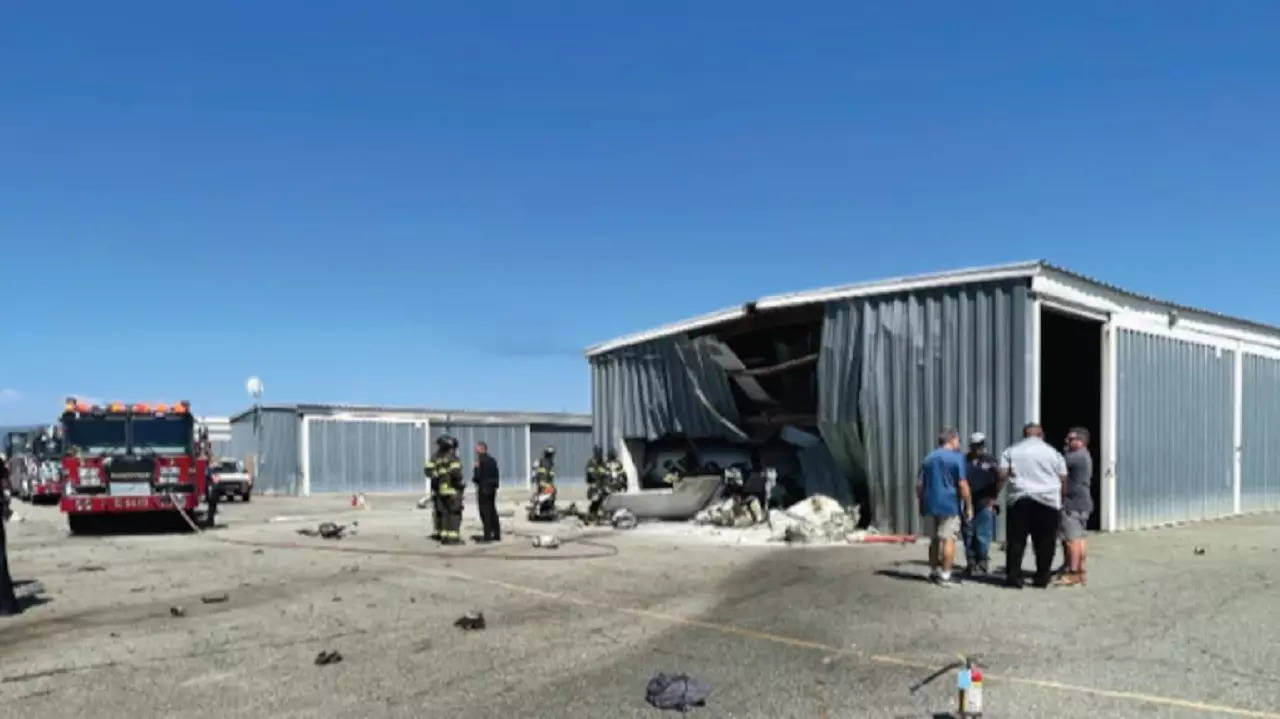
(661, 388)
(721, 354)
(896, 369)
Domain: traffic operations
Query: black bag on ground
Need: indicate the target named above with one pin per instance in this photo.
(676, 691)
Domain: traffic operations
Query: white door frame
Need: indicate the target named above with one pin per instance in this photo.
(1107, 428)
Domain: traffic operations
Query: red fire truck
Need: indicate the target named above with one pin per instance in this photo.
(122, 460)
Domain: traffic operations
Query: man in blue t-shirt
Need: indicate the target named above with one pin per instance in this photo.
(944, 495)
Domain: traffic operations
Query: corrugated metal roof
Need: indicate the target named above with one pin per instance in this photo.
(563, 419)
(1253, 324)
(1014, 270)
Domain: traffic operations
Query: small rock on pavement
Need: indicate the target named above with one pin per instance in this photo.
(1199, 551)
(470, 621)
(177, 611)
(328, 657)
(215, 598)
(257, 551)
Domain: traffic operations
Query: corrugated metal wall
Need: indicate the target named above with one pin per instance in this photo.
(278, 472)
(1260, 480)
(506, 444)
(1174, 427)
(648, 391)
(573, 449)
(347, 456)
(904, 366)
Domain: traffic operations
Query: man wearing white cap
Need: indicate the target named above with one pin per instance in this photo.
(983, 472)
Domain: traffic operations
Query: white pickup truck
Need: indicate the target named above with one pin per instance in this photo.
(231, 480)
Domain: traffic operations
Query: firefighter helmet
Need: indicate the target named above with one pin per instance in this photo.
(446, 442)
(548, 451)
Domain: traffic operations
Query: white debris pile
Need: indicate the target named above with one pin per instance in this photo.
(733, 512)
(816, 520)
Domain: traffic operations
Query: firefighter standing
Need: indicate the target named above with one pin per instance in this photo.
(544, 486)
(444, 471)
(597, 479)
(429, 471)
(595, 467)
(8, 602)
(449, 487)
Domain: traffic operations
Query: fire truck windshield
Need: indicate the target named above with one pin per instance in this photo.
(167, 434)
(95, 435)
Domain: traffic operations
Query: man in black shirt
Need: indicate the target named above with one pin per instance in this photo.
(8, 602)
(982, 471)
(486, 478)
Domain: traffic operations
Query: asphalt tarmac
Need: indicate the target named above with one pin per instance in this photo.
(577, 631)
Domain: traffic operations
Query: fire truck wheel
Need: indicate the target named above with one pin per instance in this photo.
(245, 497)
(78, 523)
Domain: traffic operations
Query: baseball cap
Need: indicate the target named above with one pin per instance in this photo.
(977, 438)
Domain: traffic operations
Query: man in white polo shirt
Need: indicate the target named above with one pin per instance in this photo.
(1036, 474)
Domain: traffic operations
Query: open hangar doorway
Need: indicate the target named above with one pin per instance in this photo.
(1071, 366)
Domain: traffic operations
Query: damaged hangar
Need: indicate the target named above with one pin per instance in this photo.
(844, 390)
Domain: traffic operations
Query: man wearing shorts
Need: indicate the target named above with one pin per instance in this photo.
(944, 495)
(1077, 505)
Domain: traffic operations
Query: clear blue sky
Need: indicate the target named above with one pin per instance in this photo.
(420, 203)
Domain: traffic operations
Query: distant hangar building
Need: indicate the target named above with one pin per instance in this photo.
(304, 449)
(1183, 403)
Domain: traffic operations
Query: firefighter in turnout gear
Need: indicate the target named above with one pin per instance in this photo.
(615, 473)
(542, 508)
(447, 488)
(597, 487)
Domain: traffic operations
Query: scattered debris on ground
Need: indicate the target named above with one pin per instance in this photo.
(470, 621)
(328, 657)
(91, 568)
(177, 612)
(624, 519)
(326, 530)
(676, 691)
(257, 551)
(546, 541)
(1199, 551)
(215, 598)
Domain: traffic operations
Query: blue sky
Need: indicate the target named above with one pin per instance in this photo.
(438, 204)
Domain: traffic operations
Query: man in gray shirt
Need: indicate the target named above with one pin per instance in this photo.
(1036, 474)
(1077, 505)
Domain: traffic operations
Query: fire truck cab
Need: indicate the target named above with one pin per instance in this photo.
(122, 460)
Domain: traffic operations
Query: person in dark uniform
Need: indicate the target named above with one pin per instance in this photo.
(486, 478)
(8, 601)
(983, 471)
(449, 489)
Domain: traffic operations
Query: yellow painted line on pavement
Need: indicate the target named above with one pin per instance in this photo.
(877, 658)
(780, 639)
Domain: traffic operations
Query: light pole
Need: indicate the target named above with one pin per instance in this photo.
(254, 387)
